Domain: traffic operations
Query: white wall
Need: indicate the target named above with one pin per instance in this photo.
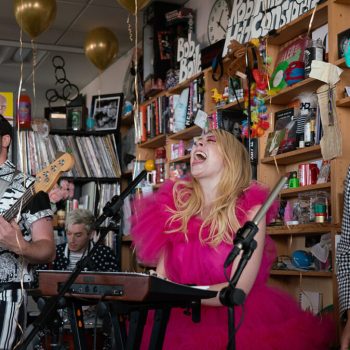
(202, 8)
(112, 79)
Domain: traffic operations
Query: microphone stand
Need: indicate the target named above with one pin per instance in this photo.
(111, 209)
(244, 242)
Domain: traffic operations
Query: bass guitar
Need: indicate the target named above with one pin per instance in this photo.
(44, 181)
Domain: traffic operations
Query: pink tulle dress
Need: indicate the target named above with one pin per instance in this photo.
(272, 319)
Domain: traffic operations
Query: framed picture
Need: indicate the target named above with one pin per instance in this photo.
(6, 105)
(283, 118)
(165, 47)
(324, 173)
(106, 111)
(57, 117)
(76, 117)
(274, 140)
(343, 42)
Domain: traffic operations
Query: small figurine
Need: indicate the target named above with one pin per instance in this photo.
(225, 95)
(216, 96)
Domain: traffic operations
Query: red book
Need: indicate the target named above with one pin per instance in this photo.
(143, 118)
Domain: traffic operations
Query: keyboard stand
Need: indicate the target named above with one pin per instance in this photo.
(161, 319)
(76, 319)
(130, 339)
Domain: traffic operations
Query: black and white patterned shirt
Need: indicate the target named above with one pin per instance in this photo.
(13, 267)
(103, 260)
(343, 253)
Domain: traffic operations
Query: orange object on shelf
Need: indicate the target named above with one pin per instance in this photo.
(24, 116)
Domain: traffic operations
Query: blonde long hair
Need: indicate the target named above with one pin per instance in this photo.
(189, 199)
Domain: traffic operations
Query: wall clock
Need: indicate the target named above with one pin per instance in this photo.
(218, 21)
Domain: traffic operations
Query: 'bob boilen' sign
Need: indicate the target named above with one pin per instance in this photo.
(255, 18)
(189, 56)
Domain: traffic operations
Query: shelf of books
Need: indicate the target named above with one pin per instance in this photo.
(170, 113)
(95, 156)
(310, 211)
(94, 195)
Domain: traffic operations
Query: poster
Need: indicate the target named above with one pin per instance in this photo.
(6, 105)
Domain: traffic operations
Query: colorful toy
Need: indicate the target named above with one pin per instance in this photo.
(260, 79)
(226, 94)
(255, 54)
(216, 96)
(258, 113)
(295, 72)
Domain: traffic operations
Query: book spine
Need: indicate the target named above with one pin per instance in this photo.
(152, 120)
(156, 116)
(143, 119)
(189, 113)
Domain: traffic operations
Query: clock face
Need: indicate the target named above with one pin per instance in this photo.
(218, 21)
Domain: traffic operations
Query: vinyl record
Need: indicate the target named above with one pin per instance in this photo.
(277, 81)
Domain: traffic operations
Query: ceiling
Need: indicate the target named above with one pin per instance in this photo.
(64, 37)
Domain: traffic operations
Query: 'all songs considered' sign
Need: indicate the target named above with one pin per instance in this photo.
(255, 18)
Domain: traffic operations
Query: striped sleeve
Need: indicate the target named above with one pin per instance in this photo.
(343, 253)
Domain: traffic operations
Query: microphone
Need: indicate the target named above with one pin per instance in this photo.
(246, 233)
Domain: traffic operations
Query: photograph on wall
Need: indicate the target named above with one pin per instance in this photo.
(165, 45)
(343, 42)
(6, 105)
(106, 111)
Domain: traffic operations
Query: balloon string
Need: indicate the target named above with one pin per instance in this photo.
(20, 150)
(311, 20)
(98, 102)
(19, 141)
(33, 73)
(136, 108)
(129, 28)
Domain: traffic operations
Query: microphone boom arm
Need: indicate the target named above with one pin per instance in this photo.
(244, 241)
(247, 233)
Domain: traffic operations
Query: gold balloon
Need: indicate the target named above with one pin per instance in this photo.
(130, 4)
(34, 16)
(101, 47)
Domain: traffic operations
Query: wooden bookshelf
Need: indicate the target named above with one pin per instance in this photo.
(292, 192)
(302, 229)
(344, 102)
(185, 158)
(325, 274)
(186, 134)
(154, 142)
(299, 155)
